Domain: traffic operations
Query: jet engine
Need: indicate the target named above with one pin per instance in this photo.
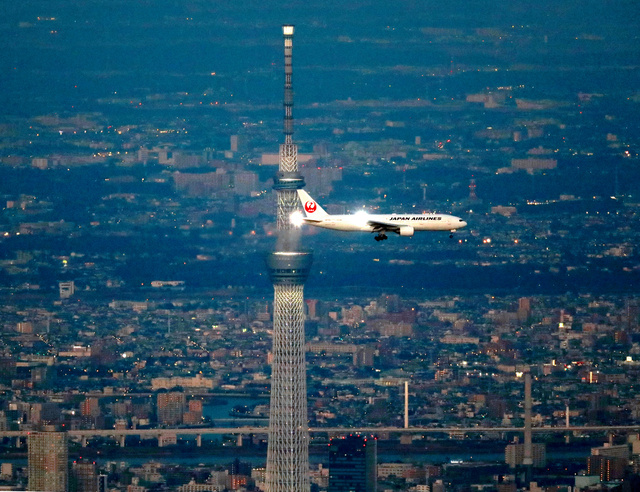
(406, 231)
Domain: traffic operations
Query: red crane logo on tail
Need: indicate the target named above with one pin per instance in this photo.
(310, 207)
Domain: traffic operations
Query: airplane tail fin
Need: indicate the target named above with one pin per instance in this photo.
(311, 208)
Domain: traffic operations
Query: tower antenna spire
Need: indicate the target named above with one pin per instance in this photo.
(288, 265)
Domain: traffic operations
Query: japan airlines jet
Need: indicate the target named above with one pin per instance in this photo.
(402, 224)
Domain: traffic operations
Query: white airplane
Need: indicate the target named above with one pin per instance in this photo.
(402, 224)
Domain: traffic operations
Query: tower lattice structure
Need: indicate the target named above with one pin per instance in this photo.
(288, 264)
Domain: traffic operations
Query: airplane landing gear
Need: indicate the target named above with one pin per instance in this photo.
(380, 237)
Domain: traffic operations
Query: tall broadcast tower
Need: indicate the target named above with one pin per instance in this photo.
(288, 449)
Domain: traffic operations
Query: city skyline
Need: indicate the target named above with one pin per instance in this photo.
(403, 114)
(139, 167)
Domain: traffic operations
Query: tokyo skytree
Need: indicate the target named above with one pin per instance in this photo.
(288, 265)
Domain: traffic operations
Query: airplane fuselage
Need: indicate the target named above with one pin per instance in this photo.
(366, 223)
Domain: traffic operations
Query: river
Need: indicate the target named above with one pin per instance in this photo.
(218, 409)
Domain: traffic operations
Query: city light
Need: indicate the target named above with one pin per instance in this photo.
(138, 192)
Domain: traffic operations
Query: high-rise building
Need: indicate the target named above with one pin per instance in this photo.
(90, 407)
(6, 471)
(102, 483)
(608, 468)
(237, 143)
(514, 454)
(609, 461)
(84, 476)
(193, 415)
(288, 445)
(352, 464)
(171, 407)
(67, 289)
(48, 461)
(524, 309)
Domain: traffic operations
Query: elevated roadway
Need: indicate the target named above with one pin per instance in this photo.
(199, 431)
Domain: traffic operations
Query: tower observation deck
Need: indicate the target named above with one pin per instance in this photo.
(288, 265)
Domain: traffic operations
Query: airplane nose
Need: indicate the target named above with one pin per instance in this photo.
(463, 223)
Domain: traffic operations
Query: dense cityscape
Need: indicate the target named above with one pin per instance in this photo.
(137, 210)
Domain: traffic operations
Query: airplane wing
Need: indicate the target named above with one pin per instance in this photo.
(382, 225)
